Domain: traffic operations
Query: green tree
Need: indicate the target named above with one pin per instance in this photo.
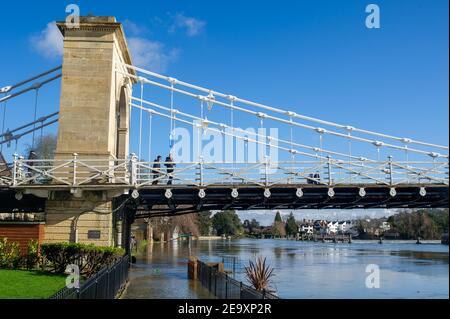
(204, 223)
(254, 225)
(279, 229)
(278, 217)
(440, 218)
(425, 223)
(291, 225)
(227, 223)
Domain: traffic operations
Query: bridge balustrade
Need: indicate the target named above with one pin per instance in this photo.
(77, 172)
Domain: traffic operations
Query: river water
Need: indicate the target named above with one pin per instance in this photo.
(302, 269)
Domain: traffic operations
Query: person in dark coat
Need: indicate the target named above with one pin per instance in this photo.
(156, 170)
(170, 168)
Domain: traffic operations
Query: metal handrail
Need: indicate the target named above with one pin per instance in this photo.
(77, 172)
(91, 289)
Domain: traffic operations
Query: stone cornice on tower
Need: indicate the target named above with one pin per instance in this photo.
(106, 24)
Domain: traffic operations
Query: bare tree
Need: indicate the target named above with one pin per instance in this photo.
(44, 148)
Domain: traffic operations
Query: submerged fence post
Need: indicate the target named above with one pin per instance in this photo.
(240, 290)
(226, 286)
(215, 283)
(193, 268)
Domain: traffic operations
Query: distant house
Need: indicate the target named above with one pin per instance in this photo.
(385, 226)
(332, 227)
(345, 226)
(320, 224)
(266, 232)
(317, 225)
(306, 229)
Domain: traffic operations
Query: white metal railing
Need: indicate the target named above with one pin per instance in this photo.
(5, 174)
(131, 172)
(71, 172)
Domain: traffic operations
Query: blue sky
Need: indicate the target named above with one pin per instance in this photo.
(313, 57)
(316, 57)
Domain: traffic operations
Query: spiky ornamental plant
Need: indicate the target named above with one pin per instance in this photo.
(259, 274)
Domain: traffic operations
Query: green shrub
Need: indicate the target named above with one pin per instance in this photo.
(10, 257)
(32, 256)
(89, 258)
(58, 256)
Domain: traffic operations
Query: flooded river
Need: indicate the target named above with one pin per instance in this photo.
(302, 269)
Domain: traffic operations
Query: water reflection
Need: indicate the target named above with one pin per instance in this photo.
(303, 269)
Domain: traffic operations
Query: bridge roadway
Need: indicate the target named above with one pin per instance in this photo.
(182, 199)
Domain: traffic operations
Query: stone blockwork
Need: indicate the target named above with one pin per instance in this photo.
(70, 219)
(93, 118)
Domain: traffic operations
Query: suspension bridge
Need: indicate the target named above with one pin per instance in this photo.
(114, 115)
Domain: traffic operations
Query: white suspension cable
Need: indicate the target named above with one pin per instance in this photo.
(9, 88)
(218, 131)
(233, 130)
(292, 139)
(33, 87)
(140, 122)
(321, 153)
(338, 163)
(35, 115)
(281, 111)
(8, 137)
(350, 149)
(3, 122)
(150, 117)
(171, 113)
(223, 126)
(285, 121)
(316, 156)
(201, 110)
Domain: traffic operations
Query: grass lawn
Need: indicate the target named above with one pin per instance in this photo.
(20, 284)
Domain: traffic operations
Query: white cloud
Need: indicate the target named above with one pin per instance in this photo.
(192, 26)
(133, 28)
(146, 53)
(151, 54)
(49, 42)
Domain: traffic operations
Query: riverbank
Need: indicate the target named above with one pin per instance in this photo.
(208, 238)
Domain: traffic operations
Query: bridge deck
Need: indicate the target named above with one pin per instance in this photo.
(184, 199)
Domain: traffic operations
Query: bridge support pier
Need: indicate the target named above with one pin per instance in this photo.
(79, 220)
(149, 232)
(128, 219)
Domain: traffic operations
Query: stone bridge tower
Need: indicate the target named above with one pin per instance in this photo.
(94, 118)
(93, 123)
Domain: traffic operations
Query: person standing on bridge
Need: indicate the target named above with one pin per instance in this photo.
(170, 165)
(156, 170)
